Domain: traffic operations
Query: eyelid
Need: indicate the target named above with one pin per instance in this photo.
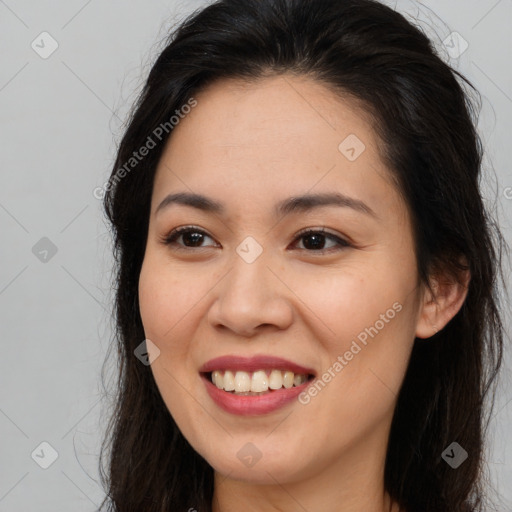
(342, 242)
(175, 233)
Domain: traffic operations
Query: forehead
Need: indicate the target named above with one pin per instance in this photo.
(271, 137)
(281, 113)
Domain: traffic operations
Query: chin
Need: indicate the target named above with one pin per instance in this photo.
(252, 462)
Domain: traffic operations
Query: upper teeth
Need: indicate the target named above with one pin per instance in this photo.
(257, 382)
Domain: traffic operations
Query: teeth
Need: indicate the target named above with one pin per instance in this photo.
(288, 380)
(218, 379)
(242, 382)
(259, 382)
(276, 380)
(297, 380)
(229, 381)
(245, 383)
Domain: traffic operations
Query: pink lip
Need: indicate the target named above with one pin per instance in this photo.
(258, 404)
(253, 364)
(252, 405)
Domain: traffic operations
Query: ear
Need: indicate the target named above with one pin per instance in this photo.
(439, 307)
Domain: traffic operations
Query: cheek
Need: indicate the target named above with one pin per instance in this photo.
(163, 303)
(365, 322)
(343, 302)
(166, 298)
(170, 308)
(168, 320)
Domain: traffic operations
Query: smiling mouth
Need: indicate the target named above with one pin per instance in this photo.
(256, 383)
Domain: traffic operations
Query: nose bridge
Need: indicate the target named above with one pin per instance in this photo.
(248, 281)
(251, 295)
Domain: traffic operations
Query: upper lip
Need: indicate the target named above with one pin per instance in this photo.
(254, 363)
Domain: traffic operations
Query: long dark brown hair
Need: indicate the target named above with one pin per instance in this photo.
(425, 115)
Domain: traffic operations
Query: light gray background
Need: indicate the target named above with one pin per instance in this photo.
(60, 120)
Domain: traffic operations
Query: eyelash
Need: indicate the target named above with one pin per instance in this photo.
(342, 244)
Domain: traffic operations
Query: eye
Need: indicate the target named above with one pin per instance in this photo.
(190, 235)
(316, 240)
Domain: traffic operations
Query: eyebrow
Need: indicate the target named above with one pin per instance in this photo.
(294, 204)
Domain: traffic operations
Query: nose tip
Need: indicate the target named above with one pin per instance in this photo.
(250, 300)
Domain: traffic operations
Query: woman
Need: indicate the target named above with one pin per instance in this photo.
(306, 301)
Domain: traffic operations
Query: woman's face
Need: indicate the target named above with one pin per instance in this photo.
(245, 282)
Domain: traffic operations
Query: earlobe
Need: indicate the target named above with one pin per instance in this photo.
(441, 304)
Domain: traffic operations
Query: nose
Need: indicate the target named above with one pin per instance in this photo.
(251, 297)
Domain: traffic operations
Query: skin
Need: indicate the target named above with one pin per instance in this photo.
(249, 146)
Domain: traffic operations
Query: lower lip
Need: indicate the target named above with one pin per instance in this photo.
(246, 405)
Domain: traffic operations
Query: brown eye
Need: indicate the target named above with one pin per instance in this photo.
(191, 237)
(315, 240)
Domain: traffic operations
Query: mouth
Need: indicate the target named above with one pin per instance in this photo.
(256, 383)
